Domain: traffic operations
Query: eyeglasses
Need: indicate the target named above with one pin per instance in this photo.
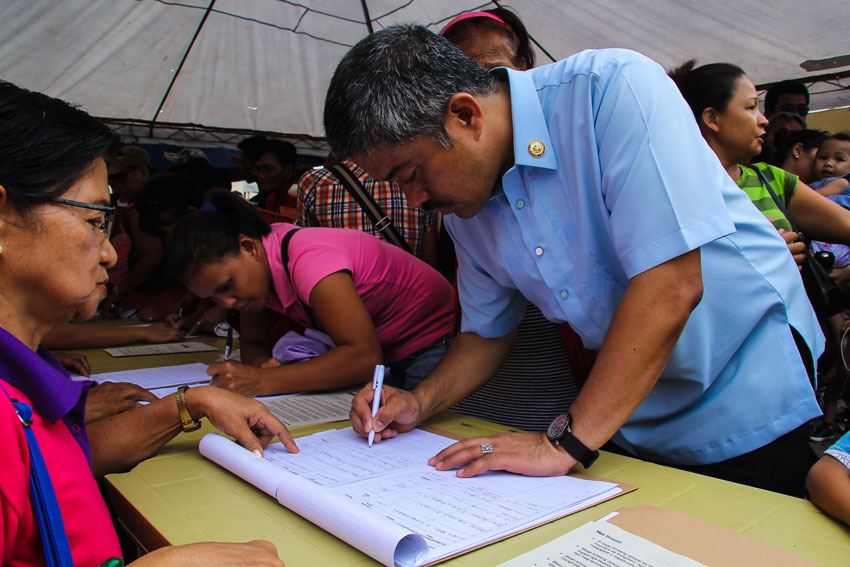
(104, 227)
(801, 109)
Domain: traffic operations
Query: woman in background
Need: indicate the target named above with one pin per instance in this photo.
(725, 104)
(796, 151)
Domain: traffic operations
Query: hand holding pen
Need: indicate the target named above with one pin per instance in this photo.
(378, 388)
(399, 411)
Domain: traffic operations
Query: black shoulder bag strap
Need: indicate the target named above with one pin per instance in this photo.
(284, 257)
(381, 222)
(778, 202)
(824, 294)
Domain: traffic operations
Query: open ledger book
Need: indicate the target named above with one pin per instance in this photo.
(388, 503)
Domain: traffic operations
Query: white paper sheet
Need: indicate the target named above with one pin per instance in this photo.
(307, 409)
(167, 348)
(160, 377)
(600, 544)
(391, 484)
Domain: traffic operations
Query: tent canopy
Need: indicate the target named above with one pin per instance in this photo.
(222, 68)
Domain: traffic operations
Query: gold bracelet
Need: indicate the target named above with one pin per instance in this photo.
(186, 419)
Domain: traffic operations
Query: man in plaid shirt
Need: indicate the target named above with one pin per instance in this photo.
(324, 201)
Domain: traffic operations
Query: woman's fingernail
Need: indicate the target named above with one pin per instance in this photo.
(258, 453)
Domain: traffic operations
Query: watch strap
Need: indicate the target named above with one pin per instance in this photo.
(577, 449)
(186, 420)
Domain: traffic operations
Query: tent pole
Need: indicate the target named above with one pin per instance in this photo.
(366, 16)
(180, 66)
(825, 78)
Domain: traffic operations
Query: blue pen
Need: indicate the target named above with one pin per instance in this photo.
(378, 387)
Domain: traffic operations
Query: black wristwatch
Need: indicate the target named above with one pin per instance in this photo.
(560, 434)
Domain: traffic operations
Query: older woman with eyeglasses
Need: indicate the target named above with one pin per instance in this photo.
(54, 221)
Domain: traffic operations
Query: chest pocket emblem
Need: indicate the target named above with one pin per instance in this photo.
(536, 148)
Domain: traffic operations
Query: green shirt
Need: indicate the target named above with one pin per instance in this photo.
(783, 184)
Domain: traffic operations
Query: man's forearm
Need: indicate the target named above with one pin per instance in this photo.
(645, 328)
(469, 363)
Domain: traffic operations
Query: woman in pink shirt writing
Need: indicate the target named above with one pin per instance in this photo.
(378, 303)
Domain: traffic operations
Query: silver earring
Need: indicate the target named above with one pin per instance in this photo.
(796, 156)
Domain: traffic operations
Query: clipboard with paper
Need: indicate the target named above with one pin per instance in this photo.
(388, 503)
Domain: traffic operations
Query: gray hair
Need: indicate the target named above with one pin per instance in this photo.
(393, 86)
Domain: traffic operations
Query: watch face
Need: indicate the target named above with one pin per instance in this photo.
(558, 426)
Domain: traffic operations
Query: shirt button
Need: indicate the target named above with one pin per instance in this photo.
(564, 294)
(76, 428)
(520, 204)
(538, 251)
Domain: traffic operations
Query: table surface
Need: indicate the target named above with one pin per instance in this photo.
(178, 497)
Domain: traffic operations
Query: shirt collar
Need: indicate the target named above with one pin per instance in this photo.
(529, 123)
(40, 376)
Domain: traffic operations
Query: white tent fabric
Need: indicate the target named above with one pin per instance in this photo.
(264, 65)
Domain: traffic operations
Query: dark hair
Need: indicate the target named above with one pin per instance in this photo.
(786, 139)
(168, 196)
(708, 86)
(114, 147)
(793, 116)
(516, 34)
(201, 170)
(206, 236)
(393, 86)
(841, 136)
(283, 151)
(789, 86)
(253, 147)
(46, 145)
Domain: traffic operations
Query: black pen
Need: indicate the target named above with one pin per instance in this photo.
(228, 345)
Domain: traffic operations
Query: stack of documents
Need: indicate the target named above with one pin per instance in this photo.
(389, 503)
(307, 409)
